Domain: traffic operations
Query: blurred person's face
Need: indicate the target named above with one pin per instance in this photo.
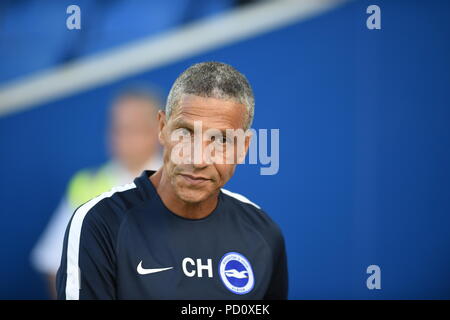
(133, 132)
(196, 181)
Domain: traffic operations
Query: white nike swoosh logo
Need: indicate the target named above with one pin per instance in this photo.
(141, 270)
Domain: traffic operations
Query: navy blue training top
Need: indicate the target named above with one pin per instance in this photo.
(125, 244)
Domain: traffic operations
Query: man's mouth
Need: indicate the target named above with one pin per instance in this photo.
(193, 179)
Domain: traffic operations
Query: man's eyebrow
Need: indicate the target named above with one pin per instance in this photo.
(223, 132)
(181, 123)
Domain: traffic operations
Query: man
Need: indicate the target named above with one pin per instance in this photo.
(176, 233)
(133, 140)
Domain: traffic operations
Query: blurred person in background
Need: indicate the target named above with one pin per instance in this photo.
(134, 147)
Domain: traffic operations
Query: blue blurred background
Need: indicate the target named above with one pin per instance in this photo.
(364, 134)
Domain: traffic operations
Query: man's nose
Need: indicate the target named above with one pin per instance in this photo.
(201, 158)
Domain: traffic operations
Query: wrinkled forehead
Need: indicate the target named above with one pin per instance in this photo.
(212, 113)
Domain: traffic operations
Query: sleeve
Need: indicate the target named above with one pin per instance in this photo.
(278, 287)
(87, 269)
(46, 255)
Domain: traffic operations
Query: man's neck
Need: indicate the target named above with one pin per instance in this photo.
(182, 208)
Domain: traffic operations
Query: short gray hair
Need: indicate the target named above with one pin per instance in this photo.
(213, 80)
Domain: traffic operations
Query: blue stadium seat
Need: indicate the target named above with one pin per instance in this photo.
(34, 36)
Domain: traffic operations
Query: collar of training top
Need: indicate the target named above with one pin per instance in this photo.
(148, 190)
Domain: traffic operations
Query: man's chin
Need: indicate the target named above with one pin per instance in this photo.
(193, 196)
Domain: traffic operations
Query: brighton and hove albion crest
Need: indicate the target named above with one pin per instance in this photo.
(236, 273)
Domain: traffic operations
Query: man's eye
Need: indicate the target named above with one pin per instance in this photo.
(221, 139)
(184, 132)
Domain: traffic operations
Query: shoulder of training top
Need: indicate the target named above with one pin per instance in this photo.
(253, 214)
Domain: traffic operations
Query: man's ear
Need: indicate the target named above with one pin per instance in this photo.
(161, 126)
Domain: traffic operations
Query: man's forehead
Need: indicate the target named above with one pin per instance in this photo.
(213, 112)
(136, 101)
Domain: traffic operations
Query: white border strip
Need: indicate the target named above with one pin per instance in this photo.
(156, 51)
(73, 243)
(239, 197)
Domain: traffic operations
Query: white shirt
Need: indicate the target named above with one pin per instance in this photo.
(46, 255)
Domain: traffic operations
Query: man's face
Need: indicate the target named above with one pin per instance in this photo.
(133, 131)
(194, 181)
